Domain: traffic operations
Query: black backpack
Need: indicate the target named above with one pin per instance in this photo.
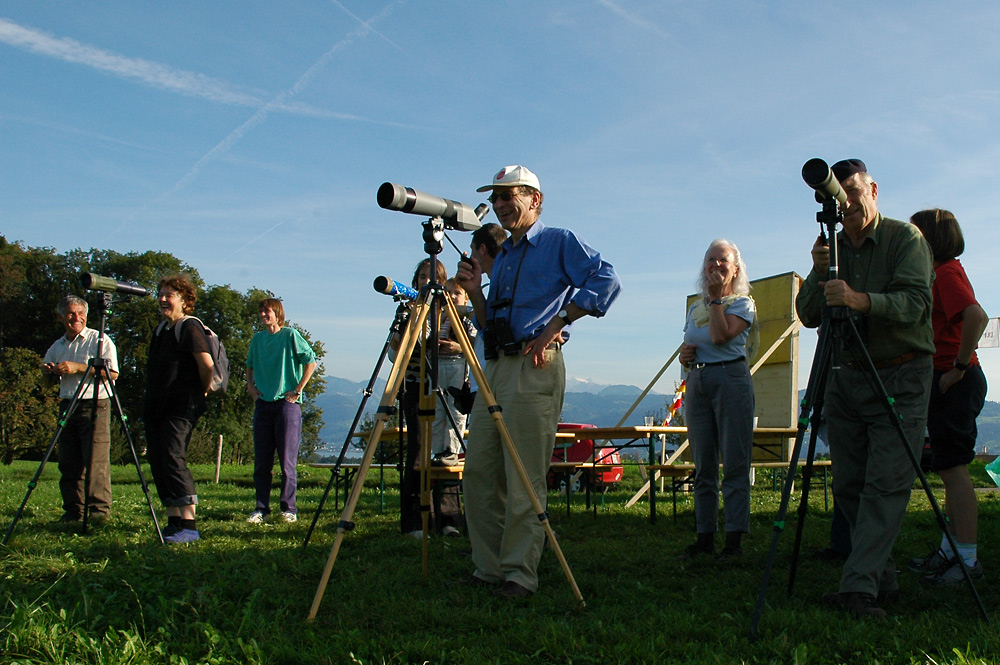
(220, 367)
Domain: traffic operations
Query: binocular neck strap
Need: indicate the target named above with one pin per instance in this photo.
(517, 275)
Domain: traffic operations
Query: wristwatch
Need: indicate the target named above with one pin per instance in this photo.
(715, 302)
(960, 366)
(564, 315)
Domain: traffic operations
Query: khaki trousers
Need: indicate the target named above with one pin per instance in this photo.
(506, 534)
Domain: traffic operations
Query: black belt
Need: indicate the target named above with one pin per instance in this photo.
(555, 346)
(741, 359)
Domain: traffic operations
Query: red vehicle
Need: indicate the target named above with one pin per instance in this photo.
(567, 453)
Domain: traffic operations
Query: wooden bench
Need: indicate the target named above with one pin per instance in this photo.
(345, 477)
(683, 474)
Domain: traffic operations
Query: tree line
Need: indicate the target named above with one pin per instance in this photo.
(32, 282)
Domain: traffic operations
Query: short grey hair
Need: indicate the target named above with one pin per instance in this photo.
(741, 283)
(65, 303)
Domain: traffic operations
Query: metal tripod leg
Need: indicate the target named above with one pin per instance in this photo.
(816, 385)
(135, 457)
(99, 379)
(64, 419)
(334, 473)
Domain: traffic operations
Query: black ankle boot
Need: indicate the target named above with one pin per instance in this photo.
(704, 545)
(732, 547)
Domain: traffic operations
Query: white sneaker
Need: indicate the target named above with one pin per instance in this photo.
(418, 534)
(451, 531)
(257, 517)
(950, 573)
(289, 517)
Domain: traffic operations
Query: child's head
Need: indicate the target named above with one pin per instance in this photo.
(456, 292)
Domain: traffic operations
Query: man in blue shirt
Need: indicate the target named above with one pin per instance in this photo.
(543, 279)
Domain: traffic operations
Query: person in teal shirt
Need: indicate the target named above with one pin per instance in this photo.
(279, 365)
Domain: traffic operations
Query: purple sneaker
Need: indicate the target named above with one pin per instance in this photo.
(182, 536)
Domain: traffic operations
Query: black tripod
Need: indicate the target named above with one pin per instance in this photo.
(96, 374)
(428, 303)
(395, 328)
(837, 331)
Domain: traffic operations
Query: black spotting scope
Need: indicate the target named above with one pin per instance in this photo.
(818, 175)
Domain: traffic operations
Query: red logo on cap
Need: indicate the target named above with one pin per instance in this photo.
(500, 175)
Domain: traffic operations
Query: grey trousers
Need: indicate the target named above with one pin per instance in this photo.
(873, 474)
(719, 416)
(75, 452)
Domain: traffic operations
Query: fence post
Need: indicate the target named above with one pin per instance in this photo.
(218, 460)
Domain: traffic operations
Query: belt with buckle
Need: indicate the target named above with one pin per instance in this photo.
(723, 363)
(883, 364)
(555, 346)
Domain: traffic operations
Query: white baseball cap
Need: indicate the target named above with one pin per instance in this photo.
(512, 176)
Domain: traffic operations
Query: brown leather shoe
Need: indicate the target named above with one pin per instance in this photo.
(511, 590)
(858, 603)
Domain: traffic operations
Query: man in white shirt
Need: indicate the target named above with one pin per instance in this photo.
(67, 360)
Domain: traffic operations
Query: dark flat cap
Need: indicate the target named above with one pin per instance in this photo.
(845, 168)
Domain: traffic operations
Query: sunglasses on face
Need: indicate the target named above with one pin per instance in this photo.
(505, 195)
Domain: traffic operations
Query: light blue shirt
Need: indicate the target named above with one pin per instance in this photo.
(707, 352)
(545, 271)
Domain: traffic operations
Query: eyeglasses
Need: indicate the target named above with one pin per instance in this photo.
(505, 195)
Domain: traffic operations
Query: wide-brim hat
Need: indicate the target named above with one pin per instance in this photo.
(512, 176)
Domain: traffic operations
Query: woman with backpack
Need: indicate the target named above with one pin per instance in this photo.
(178, 377)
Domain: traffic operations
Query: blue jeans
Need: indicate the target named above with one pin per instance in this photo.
(277, 427)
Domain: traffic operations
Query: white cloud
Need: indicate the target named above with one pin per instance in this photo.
(156, 75)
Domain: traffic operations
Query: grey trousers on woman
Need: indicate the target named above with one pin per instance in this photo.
(718, 411)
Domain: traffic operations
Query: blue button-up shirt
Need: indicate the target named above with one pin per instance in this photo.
(541, 274)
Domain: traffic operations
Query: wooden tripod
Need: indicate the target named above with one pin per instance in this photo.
(430, 296)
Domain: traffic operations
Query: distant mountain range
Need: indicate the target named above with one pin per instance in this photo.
(585, 402)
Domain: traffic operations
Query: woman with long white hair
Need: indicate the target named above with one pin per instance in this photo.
(719, 400)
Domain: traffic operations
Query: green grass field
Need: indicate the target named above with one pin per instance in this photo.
(242, 594)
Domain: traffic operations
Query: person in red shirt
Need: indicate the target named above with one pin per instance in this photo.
(957, 396)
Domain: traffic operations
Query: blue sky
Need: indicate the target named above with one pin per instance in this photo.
(249, 139)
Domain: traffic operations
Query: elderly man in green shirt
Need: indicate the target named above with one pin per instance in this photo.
(885, 281)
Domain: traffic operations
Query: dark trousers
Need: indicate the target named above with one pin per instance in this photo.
(872, 473)
(409, 486)
(445, 494)
(277, 428)
(840, 531)
(167, 440)
(75, 452)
